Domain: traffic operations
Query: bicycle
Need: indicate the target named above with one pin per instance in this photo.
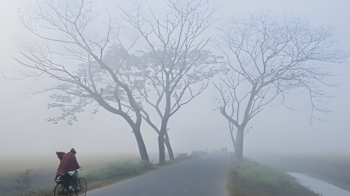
(63, 186)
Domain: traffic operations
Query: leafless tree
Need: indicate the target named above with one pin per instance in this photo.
(68, 49)
(265, 58)
(134, 72)
(176, 66)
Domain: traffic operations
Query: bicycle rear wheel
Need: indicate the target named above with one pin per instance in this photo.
(82, 186)
(59, 189)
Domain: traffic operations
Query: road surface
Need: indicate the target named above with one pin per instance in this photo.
(201, 176)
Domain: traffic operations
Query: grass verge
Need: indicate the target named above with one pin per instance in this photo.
(249, 178)
(112, 173)
(40, 192)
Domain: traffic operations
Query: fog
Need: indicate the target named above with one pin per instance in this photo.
(196, 126)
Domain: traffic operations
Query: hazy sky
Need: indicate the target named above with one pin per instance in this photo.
(196, 126)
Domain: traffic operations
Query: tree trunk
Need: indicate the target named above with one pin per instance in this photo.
(233, 140)
(140, 143)
(168, 146)
(161, 148)
(161, 135)
(232, 137)
(166, 140)
(239, 143)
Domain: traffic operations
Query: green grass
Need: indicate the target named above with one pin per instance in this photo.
(117, 170)
(249, 178)
(40, 192)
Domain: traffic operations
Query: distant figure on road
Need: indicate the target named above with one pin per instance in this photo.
(223, 150)
(68, 164)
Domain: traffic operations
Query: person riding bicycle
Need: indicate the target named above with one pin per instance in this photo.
(68, 164)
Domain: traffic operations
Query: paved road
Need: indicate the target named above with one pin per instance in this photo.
(201, 176)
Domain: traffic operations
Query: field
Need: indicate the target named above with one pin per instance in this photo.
(331, 168)
(51, 162)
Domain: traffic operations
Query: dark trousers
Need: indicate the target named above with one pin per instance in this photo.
(74, 181)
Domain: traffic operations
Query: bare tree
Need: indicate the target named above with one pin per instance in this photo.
(69, 48)
(176, 66)
(266, 57)
(133, 70)
(180, 87)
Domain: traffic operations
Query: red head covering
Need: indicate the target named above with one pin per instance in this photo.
(68, 162)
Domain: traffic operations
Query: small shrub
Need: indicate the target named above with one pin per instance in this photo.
(22, 181)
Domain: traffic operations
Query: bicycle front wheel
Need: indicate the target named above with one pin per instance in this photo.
(82, 186)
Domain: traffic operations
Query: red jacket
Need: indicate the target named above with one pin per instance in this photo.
(68, 162)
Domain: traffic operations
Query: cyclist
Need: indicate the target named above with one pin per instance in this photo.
(68, 164)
